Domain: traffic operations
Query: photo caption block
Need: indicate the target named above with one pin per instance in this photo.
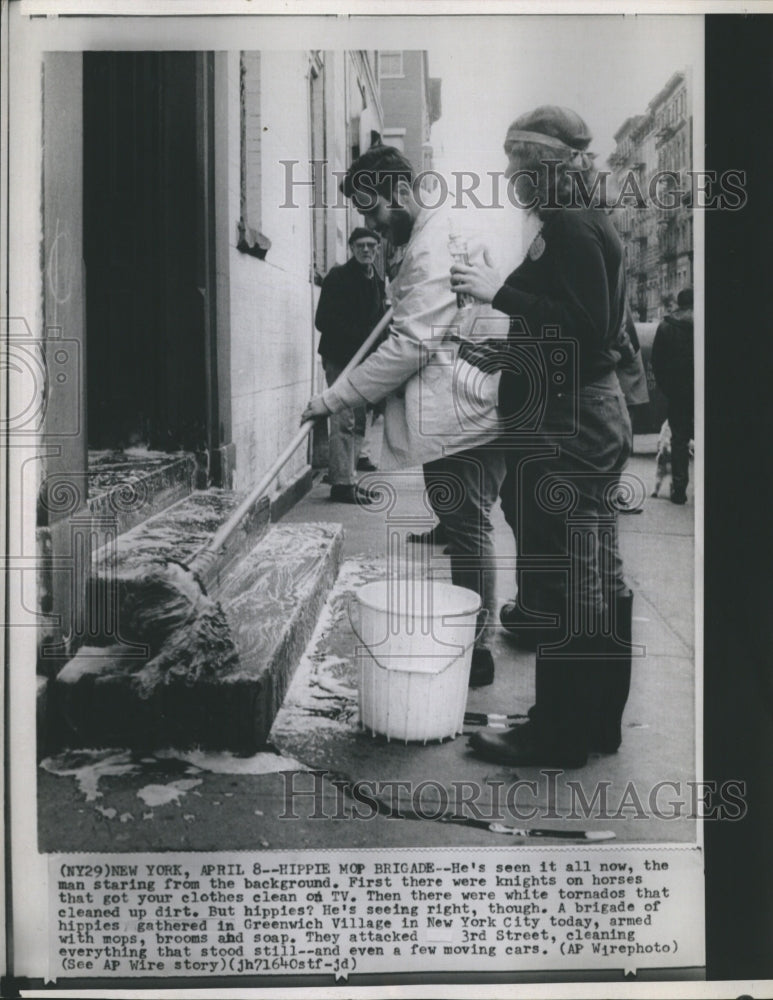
(405, 911)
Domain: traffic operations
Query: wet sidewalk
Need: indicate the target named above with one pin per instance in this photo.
(108, 800)
(319, 722)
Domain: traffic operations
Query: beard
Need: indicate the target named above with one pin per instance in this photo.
(400, 226)
(523, 191)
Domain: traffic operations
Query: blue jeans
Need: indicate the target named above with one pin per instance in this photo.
(346, 435)
(558, 498)
(462, 489)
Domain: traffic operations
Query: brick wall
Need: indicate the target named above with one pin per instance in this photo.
(405, 107)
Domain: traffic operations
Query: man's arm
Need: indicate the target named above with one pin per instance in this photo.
(580, 304)
(424, 309)
(659, 357)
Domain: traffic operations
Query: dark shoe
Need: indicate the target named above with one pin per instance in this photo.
(511, 618)
(482, 670)
(352, 494)
(436, 536)
(524, 746)
(678, 496)
(365, 465)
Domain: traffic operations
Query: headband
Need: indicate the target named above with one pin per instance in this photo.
(578, 156)
(519, 135)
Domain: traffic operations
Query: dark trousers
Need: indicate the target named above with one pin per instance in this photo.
(682, 423)
(346, 435)
(461, 489)
(559, 498)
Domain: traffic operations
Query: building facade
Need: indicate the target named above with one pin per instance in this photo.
(651, 161)
(411, 101)
(188, 211)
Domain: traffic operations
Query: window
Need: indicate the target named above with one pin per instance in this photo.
(318, 156)
(390, 64)
(251, 240)
(395, 137)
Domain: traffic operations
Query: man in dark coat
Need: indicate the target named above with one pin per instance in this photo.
(350, 305)
(672, 363)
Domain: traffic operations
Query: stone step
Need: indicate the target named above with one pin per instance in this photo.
(217, 679)
(272, 600)
(77, 513)
(179, 533)
(132, 486)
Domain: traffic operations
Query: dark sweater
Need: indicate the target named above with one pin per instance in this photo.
(350, 305)
(576, 283)
(672, 355)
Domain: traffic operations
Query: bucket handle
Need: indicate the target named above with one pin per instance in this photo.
(478, 629)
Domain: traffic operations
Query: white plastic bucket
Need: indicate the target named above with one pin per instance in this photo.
(417, 638)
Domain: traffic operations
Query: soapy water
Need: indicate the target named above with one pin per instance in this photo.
(89, 767)
(319, 689)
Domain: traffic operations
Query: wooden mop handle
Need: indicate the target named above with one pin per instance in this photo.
(206, 557)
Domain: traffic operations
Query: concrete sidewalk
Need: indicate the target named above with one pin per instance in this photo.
(319, 724)
(111, 800)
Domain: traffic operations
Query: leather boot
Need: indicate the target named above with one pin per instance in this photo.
(613, 681)
(556, 733)
(435, 536)
(525, 745)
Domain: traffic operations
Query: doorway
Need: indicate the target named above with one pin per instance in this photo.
(148, 294)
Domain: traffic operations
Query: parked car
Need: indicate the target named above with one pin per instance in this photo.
(649, 418)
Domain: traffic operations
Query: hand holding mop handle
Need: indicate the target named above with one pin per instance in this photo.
(204, 560)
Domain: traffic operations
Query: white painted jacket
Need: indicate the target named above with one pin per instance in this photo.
(436, 403)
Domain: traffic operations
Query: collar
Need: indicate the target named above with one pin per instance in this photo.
(421, 220)
(358, 268)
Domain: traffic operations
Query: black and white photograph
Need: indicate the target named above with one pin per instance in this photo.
(355, 536)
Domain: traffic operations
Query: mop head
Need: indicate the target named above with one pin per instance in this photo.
(167, 630)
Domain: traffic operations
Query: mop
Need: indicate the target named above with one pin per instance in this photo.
(180, 633)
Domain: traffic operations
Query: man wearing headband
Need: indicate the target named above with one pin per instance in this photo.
(561, 498)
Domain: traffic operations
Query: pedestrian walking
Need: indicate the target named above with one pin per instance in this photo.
(673, 366)
(351, 302)
(558, 495)
(633, 381)
(440, 412)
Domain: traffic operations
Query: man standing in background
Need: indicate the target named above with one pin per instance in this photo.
(350, 304)
(673, 365)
